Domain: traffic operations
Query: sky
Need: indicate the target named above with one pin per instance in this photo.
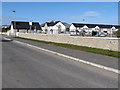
(70, 12)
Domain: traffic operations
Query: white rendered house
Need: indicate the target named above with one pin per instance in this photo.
(24, 27)
(54, 27)
(90, 28)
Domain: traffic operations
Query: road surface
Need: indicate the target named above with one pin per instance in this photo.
(25, 67)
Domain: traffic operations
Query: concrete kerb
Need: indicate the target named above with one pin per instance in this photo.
(70, 57)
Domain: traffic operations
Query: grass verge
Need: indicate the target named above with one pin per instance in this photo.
(81, 48)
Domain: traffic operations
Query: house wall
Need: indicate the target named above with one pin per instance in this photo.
(103, 43)
(49, 30)
(63, 28)
(54, 28)
(11, 29)
(73, 29)
(43, 28)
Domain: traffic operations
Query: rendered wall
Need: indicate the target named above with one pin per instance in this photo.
(96, 42)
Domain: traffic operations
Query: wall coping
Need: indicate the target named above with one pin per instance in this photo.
(109, 38)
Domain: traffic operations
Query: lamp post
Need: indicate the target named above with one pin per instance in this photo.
(83, 20)
(14, 25)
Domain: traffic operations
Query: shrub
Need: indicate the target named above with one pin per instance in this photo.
(118, 33)
(4, 29)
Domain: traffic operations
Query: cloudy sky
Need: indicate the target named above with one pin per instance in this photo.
(83, 12)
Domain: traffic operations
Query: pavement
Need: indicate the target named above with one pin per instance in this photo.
(25, 67)
(87, 56)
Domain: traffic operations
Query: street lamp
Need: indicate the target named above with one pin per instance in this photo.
(14, 23)
(83, 20)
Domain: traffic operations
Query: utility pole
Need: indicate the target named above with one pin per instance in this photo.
(14, 25)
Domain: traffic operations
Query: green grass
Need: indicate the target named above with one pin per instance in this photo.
(81, 48)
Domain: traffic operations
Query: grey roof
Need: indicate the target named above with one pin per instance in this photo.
(25, 25)
(43, 24)
(66, 24)
(51, 23)
(94, 25)
(78, 24)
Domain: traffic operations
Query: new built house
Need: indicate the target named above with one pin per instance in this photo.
(54, 27)
(92, 29)
(24, 27)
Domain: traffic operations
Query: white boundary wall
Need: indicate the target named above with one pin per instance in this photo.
(96, 42)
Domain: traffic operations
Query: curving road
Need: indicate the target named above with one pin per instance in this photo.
(25, 67)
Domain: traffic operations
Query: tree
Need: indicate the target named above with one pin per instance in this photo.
(5, 29)
(117, 33)
(67, 29)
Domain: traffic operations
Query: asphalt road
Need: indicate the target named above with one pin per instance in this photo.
(87, 56)
(25, 67)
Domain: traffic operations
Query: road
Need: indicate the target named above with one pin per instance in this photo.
(25, 67)
(91, 57)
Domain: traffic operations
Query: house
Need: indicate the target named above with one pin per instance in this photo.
(92, 29)
(54, 27)
(24, 27)
(4, 28)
